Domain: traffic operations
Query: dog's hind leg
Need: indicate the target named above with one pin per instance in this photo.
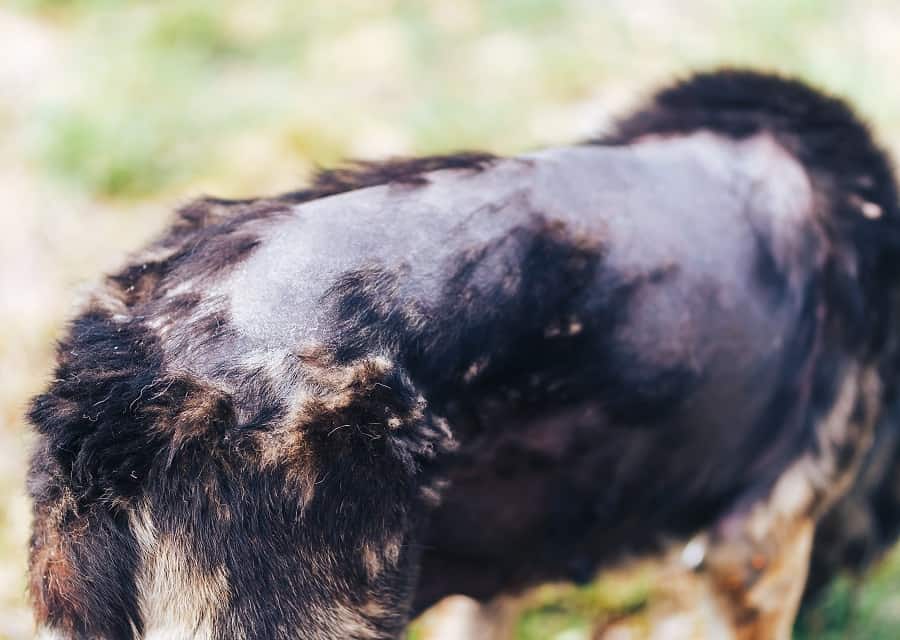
(751, 567)
(752, 583)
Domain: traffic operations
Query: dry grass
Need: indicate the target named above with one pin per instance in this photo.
(111, 112)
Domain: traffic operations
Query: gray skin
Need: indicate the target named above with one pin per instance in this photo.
(692, 202)
(696, 207)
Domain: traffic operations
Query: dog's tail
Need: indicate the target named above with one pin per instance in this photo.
(824, 133)
(851, 171)
(821, 130)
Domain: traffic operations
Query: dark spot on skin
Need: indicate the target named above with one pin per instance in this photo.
(367, 312)
(770, 277)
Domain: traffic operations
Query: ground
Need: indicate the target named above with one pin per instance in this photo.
(112, 112)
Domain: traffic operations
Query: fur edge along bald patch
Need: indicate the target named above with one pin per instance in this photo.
(112, 411)
(366, 409)
(399, 171)
(208, 238)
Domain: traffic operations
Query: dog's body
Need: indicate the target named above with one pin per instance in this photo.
(312, 415)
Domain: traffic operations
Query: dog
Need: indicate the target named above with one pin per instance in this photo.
(314, 415)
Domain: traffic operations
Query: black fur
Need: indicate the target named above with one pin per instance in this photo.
(399, 171)
(502, 431)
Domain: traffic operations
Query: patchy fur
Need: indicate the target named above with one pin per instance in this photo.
(316, 414)
(400, 171)
(175, 600)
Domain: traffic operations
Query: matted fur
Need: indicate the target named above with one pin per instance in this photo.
(205, 469)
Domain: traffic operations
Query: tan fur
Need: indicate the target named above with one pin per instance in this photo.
(326, 391)
(176, 600)
(53, 576)
(350, 622)
(372, 561)
(750, 584)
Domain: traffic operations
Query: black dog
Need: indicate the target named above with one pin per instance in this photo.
(315, 414)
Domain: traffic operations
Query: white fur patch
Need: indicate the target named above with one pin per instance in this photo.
(176, 600)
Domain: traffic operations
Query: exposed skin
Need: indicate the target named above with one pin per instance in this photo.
(701, 313)
(317, 414)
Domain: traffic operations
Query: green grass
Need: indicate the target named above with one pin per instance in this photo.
(166, 88)
(867, 609)
(570, 613)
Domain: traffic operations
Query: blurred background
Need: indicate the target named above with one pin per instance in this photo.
(114, 112)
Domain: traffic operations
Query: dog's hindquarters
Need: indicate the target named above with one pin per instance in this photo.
(168, 506)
